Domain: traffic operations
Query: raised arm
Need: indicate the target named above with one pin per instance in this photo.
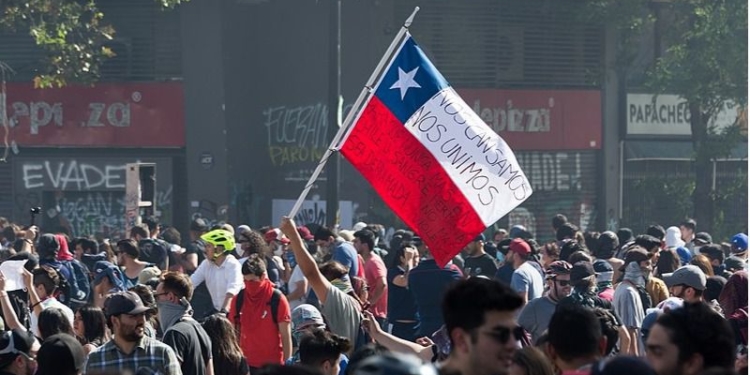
(306, 263)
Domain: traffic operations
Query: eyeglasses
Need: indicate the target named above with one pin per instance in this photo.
(503, 334)
(157, 295)
(28, 357)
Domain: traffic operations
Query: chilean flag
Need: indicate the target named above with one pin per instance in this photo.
(441, 169)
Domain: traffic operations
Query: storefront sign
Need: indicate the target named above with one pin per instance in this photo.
(541, 119)
(649, 114)
(107, 115)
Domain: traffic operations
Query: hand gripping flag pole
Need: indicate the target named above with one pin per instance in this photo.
(356, 109)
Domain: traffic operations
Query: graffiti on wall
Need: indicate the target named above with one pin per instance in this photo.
(72, 175)
(93, 212)
(83, 196)
(297, 134)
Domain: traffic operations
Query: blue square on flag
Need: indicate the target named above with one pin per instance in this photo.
(410, 81)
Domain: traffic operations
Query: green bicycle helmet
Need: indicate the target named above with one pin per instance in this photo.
(220, 237)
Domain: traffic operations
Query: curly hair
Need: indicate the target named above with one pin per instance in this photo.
(256, 244)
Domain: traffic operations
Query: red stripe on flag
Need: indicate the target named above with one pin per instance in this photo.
(411, 181)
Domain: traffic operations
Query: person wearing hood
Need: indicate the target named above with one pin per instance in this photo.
(627, 301)
(182, 333)
(264, 338)
(673, 241)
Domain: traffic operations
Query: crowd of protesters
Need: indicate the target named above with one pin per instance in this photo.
(313, 300)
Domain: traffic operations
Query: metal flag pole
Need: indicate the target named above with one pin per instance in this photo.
(363, 98)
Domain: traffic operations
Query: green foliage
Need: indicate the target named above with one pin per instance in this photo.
(706, 58)
(73, 35)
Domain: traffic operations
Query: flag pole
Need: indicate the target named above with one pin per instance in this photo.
(363, 98)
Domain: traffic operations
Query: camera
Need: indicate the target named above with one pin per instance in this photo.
(34, 211)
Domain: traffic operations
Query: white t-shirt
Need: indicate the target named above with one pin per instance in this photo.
(297, 276)
(46, 304)
(219, 280)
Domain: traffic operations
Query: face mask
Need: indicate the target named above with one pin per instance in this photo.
(170, 313)
(279, 250)
(500, 257)
(252, 286)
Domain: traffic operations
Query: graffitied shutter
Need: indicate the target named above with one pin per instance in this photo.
(147, 43)
(563, 182)
(508, 43)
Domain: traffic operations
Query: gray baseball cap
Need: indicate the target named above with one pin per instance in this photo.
(689, 275)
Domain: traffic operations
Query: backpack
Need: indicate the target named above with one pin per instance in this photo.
(274, 302)
(80, 296)
(67, 292)
(153, 251)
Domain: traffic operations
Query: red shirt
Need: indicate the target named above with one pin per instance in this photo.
(259, 337)
(375, 270)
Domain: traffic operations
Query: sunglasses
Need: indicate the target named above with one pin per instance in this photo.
(563, 282)
(503, 334)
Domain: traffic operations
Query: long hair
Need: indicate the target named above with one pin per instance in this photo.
(53, 321)
(94, 325)
(226, 351)
(702, 262)
(533, 361)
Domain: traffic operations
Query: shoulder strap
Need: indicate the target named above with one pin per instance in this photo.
(274, 302)
(238, 300)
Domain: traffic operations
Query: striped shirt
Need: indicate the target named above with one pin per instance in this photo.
(155, 355)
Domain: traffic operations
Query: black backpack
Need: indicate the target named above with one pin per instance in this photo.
(274, 302)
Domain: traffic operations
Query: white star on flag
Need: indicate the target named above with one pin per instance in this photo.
(405, 81)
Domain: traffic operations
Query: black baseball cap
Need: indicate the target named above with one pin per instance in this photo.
(703, 238)
(14, 343)
(581, 270)
(124, 303)
(60, 354)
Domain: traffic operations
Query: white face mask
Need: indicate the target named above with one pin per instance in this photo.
(279, 250)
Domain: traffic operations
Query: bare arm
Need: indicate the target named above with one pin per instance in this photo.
(34, 300)
(227, 301)
(394, 343)
(299, 292)
(210, 367)
(624, 340)
(633, 333)
(378, 290)
(306, 263)
(285, 329)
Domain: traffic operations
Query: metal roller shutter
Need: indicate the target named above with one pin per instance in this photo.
(147, 43)
(508, 43)
(563, 182)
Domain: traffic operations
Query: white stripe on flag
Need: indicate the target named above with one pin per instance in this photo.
(477, 160)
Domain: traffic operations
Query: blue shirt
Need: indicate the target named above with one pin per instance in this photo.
(344, 253)
(428, 283)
